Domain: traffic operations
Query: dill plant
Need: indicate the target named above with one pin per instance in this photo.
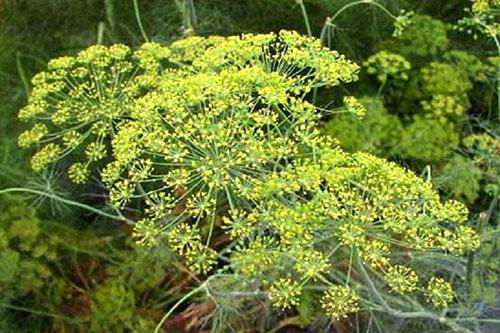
(216, 143)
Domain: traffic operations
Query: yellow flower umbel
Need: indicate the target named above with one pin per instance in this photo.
(186, 241)
(79, 101)
(353, 202)
(354, 106)
(339, 301)
(284, 293)
(146, 233)
(386, 65)
(401, 279)
(439, 292)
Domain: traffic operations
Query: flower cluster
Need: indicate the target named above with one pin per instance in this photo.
(339, 301)
(402, 21)
(284, 293)
(428, 99)
(485, 152)
(482, 19)
(79, 101)
(186, 241)
(360, 201)
(439, 292)
(215, 135)
(378, 132)
(401, 279)
(443, 107)
(354, 106)
(387, 65)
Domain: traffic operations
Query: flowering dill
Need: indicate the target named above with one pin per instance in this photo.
(216, 135)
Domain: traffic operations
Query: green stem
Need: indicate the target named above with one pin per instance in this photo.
(329, 20)
(498, 90)
(306, 17)
(179, 302)
(497, 43)
(139, 21)
(37, 312)
(187, 11)
(66, 201)
(100, 32)
(368, 2)
(110, 17)
(400, 314)
(22, 74)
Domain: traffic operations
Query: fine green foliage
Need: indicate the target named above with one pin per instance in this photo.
(377, 132)
(78, 283)
(26, 254)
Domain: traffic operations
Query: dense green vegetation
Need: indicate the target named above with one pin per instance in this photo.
(249, 166)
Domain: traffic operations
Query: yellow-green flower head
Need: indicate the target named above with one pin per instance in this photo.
(339, 301)
(481, 6)
(423, 36)
(240, 224)
(146, 233)
(122, 192)
(284, 293)
(443, 107)
(482, 143)
(354, 106)
(159, 205)
(78, 173)
(260, 256)
(439, 292)
(440, 78)
(183, 236)
(401, 279)
(200, 204)
(462, 239)
(33, 135)
(402, 21)
(351, 234)
(221, 124)
(452, 211)
(375, 253)
(48, 154)
(217, 130)
(386, 65)
(81, 99)
(352, 200)
(311, 263)
(482, 19)
(200, 258)
(287, 52)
